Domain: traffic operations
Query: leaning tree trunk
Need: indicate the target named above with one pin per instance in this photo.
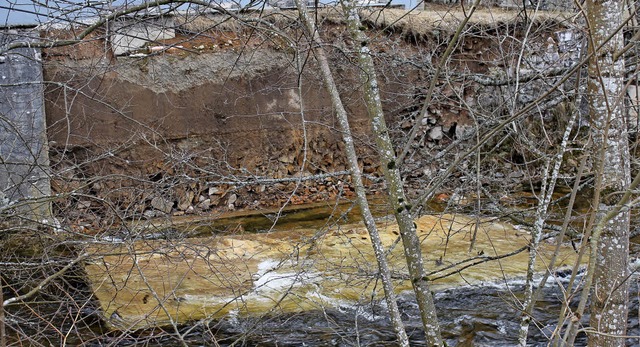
(356, 175)
(396, 196)
(610, 288)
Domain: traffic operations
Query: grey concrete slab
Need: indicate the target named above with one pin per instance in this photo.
(24, 163)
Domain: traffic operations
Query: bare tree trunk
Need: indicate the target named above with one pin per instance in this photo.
(396, 197)
(356, 175)
(3, 332)
(606, 279)
(610, 289)
(548, 186)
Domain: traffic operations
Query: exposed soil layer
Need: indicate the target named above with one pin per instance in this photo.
(234, 119)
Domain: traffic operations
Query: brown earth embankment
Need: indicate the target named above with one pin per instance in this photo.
(239, 119)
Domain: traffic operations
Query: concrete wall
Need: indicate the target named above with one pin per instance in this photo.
(24, 161)
(132, 33)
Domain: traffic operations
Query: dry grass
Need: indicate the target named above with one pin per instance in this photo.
(415, 22)
(420, 22)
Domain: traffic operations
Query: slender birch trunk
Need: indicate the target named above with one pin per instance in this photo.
(356, 175)
(3, 331)
(396, 197)
(549, 184)
(609, 244)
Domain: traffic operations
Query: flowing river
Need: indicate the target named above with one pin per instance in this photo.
(479, 315)
(310, 282)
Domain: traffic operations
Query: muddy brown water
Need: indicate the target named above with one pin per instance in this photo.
(143, 283)
(480, 313)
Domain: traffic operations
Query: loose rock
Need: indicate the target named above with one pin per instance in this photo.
(185, 199)
(205, 204)
(436, 133)
(161, 204)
